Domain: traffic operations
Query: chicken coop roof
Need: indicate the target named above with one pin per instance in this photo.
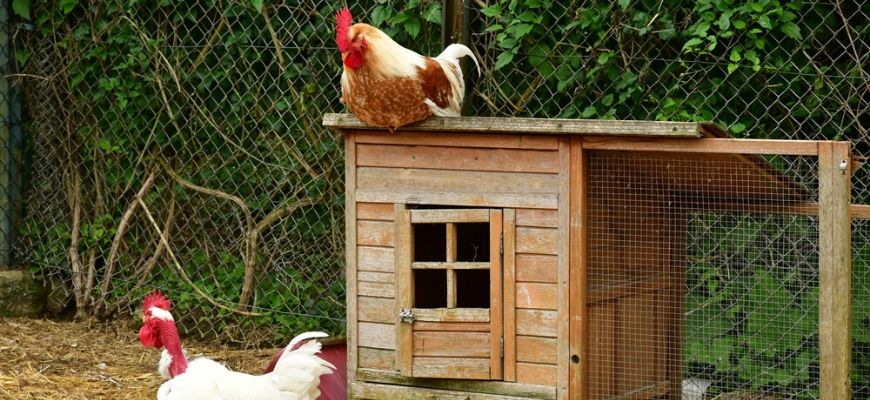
(543, 126)
(723, 184)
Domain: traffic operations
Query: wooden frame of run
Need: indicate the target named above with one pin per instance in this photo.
(834, 211)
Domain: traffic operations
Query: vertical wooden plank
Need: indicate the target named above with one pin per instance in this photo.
(509, 292)
(451, 257)
(404, 289)
(495, 293)
(350, 254)
(563, 355)
(578, 263)
(834, 270)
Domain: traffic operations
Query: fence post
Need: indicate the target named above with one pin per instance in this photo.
(835, 247)
(456, 20)
(9, 137)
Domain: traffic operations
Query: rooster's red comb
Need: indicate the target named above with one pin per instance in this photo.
(343, 18)
(156, 299)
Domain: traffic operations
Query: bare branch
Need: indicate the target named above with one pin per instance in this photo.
(181, 271)
(253, 237)
(119, 234)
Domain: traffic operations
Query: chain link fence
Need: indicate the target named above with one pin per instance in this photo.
(178, 145)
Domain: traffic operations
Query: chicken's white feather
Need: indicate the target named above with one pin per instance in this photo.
(394, 61)
(296, 377)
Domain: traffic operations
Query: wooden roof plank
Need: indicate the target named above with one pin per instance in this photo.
(541, 126)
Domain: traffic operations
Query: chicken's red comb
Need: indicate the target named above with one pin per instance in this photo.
(343, 18)
(156, 299)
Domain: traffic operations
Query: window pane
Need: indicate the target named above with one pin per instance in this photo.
(472, 288)
(472, 242)
(430, 288)
(430, 242)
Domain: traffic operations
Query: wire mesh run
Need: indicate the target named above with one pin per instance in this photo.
(703, 276)
(860, 308)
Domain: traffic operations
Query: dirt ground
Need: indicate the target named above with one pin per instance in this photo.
(42, 359)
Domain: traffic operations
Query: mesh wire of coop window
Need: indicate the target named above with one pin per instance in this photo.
(702, 273)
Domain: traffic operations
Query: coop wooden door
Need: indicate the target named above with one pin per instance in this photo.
(449, 293)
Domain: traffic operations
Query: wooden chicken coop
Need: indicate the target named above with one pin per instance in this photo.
(493, 258)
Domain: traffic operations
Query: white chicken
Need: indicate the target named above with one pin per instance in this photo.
(296, 375)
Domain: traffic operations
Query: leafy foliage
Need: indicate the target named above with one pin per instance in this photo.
(221, 102)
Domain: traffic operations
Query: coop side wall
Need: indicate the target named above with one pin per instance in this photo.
(497, 171)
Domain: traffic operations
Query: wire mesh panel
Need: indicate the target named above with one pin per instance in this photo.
(703, 276)
(783, 69)
(860, 308)
(178, 145)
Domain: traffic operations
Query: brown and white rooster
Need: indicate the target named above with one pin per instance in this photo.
(387, 85)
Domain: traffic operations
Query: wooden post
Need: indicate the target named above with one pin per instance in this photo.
(835, 272)
(351, 254)
(404, 289)
(509, 296)
(495, 293)
(454, 29)
(578, 231)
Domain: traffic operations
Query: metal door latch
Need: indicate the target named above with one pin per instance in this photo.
(406, 315)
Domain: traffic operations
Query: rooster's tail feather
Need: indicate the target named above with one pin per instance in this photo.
(298, 370)
(456, 51)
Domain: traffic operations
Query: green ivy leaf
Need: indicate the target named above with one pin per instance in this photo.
(739, 24)
(494, 28)
(735, 55)
(738, 127)
(503, 59)
(539, 58)
(623, 4)
(21, 56)
(433, 13)
(691, 43)
(724, 21)
(412, 26)
(764, 21)
(519, 30)
(67, 5)
(492, 11)
(752, 56)
(21, 8)
(791, 30)
(258, 5)
(380, 14)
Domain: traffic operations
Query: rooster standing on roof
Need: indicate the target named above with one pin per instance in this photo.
(387, 85)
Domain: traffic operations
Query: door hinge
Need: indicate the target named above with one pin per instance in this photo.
(406, 315)
(501, 244)
(501, 347)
